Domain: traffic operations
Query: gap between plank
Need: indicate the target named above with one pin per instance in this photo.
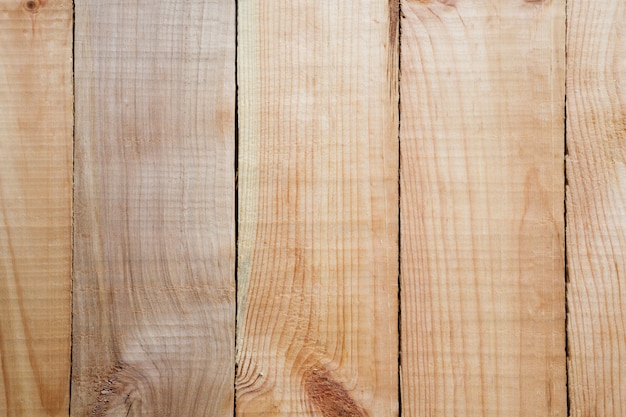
(565, 190)
(236, 182)
(399, 76)
(69, 405)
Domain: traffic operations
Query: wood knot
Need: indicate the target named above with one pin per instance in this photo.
(119, 391)
(329, 396)
(31, 6)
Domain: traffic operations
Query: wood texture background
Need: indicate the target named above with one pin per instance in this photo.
(35, 206)
(375, 137)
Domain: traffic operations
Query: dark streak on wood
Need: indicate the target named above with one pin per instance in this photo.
(129, 407)
(394, 11)
(394, 46)
(329, 396)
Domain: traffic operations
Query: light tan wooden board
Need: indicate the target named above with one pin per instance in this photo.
(154, 292)
(318, 211)
(596, 201)
(35, 206)
(482, 97)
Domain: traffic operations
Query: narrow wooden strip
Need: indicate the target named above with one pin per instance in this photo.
(35, 206)
(596, 201)
(318, 156)
(482, 208)
(154, 299)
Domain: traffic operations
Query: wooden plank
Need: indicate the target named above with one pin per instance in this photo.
(596, 198)
(154, 308)
(35, 206)
(482, 97)
(318, 213)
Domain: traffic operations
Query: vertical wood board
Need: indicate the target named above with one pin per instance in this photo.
(318, 208)
(482, 280)
(154, 287)
(35, 206)
(596, 207)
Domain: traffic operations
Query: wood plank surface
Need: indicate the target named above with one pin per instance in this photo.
(35, 206)
(596, 207)
(318, 214)
(154, 287)
(482, 104)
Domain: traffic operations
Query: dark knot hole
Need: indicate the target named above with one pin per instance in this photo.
(31, 5)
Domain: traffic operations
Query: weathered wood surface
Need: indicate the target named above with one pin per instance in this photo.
(35, 206)
(154, 285)
(482, 97)
(318, 211)
(596, 202)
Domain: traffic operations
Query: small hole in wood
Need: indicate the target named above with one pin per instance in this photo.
(31, 6)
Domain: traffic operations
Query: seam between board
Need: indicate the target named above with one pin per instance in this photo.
(565, 195)
(236, 208)
(73, 197)
(399, 76)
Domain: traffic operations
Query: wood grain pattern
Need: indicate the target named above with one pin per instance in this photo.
(35, 206)
(318, 224)
(482, 96)
(154, 298)
(596, 201)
